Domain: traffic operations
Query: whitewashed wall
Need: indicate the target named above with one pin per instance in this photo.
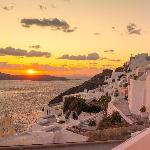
(112, 108)
(136, 95)
(148, 93)
(115, 75)
(138, 61)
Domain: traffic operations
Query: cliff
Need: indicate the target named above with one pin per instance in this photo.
(93, 83)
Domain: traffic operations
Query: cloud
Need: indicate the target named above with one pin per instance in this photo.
(93, 63)
(109, 59)
(115, 60)
(35, 46)
(111, 51)
(67, 0)
(8, 8)
(108, 66)
(5, 65)
(72, 57)
(42, 7)
(91, 56)
(96, 33)
(113, 28)
(45, 67)
(54, 23)
(20, 52)
(36, 66)
(133, 29)
(53, 5)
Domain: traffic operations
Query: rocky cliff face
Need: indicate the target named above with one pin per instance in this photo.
(93, 83)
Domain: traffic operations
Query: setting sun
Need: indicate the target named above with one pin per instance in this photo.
(31, 71)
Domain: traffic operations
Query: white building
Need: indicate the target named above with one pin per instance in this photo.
(115, 75)
(139, 60)
(88, 96)
(139, 93)
(54, 110)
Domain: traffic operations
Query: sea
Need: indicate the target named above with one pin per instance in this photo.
(23, 101)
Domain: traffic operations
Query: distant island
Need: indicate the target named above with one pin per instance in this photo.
(4, 76)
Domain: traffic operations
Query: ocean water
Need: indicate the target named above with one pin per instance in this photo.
(23, 100)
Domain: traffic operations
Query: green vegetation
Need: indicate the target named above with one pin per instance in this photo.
(103, 101)
(135, 77)
(122, 75)
(78, 105)
(143, 109)
(113, 80)
(74, 104)
(116, 93)
(92, 123)
(113, 120)
(119, 69)
(126, 68)
(125, 85)
(61, 122)
(75, 116)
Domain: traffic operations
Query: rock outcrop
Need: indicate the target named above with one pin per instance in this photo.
(93, 83)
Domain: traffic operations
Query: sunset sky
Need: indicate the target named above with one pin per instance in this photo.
(71, 37)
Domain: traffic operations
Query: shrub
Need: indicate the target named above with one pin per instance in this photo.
(104, 100)
(74, 103)
(92, 108)
(68, 101)
(115, 118)
(61, 122)
(113, 80)
(135, 77)
(78, 105)
(119, 69)
(126, 97)
(67, 114)
(125, 85)
(92, 123)
(122, 75)
(105, 123)
(116, 93)
(105, 83)
(75, 117)
(143, 109)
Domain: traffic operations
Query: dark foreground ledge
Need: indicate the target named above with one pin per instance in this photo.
(99, 145)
